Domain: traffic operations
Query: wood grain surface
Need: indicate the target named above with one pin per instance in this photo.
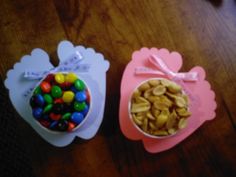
(203, 31)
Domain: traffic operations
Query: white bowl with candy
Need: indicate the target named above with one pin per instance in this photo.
(61, 102)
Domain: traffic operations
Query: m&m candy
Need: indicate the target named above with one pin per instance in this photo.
(59, 78)
(77, 117)
(56, 91)
(47, 108)
(62, 125)
(79, 85)
(37, 90)
(45, 87)
(37, 113)
(68, 96)
(71, 77)
(60, 102)
(50, 78)
(39, 100)
(48, 98)
(81, 96)
(79, 106)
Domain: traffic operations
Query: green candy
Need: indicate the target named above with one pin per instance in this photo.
(37, 90)
(48, 98)
(66, 116)
(56, 91)
(47, 108)
(79, 85)
(79, 106)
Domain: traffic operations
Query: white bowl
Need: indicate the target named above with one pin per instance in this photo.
(137, 127)
(79, 125)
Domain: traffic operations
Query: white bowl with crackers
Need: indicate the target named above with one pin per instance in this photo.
(159, 108)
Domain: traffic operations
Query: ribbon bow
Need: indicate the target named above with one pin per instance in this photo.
(72, 64)
(164, 70)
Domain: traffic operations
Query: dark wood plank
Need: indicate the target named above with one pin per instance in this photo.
(27, 25)
(203, 31)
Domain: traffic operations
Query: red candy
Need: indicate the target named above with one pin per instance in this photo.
(50, 78)
(71, 126)
(54, 116)
(44, 123)
(45, 87)
(88, 96)
(58, 100)
(65, 85)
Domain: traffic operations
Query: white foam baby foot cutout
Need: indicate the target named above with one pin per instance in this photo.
(95, 78)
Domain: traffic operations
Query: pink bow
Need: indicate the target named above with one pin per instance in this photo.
(164, 70)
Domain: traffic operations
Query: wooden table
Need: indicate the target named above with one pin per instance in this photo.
(203, 31)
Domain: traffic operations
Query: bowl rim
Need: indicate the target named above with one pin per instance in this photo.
(136, 126)
(79, 125)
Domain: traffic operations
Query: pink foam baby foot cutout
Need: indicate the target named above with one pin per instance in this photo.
(202, 97)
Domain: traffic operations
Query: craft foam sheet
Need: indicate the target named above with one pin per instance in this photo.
(202, 107)
(95, 79)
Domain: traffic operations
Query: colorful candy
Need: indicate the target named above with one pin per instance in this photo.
(45, 87)
(65, 85)
(59, 78)
(60, 102)
(39, 100)
(71, 126)
(47, 108)
(79, 85)
(80, 96)
(66, 116)
(49, 78)
(44, 123)
(56, 91)
(37, 112)
(79, 106)
(71, 77)
(62, 125)
(85, 110)
(68, 96)
(48, 98)
(54, 116)
(53, 125)
(37, 90)
(77, 117)
(73, 89)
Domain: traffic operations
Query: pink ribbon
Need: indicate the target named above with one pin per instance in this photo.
(164, 70)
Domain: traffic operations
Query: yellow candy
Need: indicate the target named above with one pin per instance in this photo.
(60, 78)
(68, 96)
(71, 77)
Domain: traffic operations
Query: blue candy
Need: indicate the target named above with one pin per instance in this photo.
(73, 89)
(80, 96)
(39, 100)
(37, 113)
(53, 124)
(77, 117)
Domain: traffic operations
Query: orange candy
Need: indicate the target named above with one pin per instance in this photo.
(45, 87)
(71, 126)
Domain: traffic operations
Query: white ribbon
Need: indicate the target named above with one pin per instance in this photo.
(164, 70)
(72, 64)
